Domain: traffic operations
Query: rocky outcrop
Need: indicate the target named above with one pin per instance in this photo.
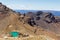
(46, 20)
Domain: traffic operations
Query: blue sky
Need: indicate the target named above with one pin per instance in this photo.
(32, 4)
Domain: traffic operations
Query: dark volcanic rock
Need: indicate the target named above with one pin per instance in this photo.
(46, 20)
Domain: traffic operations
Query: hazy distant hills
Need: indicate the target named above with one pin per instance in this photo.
(56, 13)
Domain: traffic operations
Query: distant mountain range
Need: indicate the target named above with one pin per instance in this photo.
(56, 13)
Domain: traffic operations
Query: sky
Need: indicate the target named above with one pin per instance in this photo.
(32, 4)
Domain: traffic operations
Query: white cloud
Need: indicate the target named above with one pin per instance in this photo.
(17, 6)
(30, 7)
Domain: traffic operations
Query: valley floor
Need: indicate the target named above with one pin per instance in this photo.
(40, 37)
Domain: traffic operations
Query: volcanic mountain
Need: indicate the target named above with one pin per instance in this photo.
(35, 24)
